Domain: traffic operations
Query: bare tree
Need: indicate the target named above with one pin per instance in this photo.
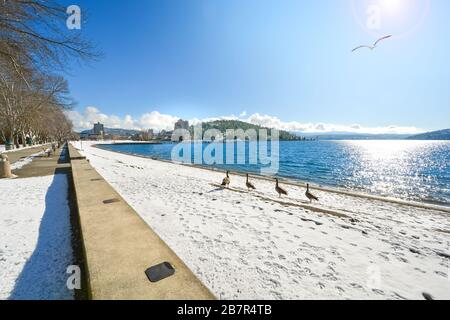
(35, 44)
(34, 32)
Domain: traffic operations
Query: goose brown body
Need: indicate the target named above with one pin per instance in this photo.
(279, 190)
(309, 195)
(226, 181)
(249, 184)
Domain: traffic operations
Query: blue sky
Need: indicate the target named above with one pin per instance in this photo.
(287, 63)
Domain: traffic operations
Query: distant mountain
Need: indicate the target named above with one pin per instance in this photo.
(224, 125)
(435, 135)
(357, 136)
(115, 131)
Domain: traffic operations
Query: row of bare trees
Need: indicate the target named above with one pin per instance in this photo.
(36, 48)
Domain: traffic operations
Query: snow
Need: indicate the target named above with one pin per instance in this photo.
(35, 238)
(254, 246)
(3, 148)
(24, 161)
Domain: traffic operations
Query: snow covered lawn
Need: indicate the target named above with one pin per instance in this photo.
(35, 238)
(252, 246)
(24, 161)
(3, 148)
(19, 164)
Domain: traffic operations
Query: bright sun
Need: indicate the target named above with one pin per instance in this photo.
(393, 6)
(399, 17)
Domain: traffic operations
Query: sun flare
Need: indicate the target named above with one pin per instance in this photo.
(393, 6)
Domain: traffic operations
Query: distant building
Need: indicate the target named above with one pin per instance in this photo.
(97, 133)
(150, 134)
(165, 135)
(143, 135)
(98, 129)
(181, 124)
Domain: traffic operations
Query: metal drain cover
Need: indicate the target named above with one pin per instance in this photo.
(159, 272)
(111, 201)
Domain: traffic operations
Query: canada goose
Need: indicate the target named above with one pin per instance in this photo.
(309, 195)
(249, 184)
(226, 181)
(280, 190)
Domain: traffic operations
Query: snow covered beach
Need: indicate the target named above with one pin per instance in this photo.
(254, 246)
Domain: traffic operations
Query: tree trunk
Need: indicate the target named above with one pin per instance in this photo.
(16, 141)
(24, 140)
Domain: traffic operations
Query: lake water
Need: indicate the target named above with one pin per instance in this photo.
(411, 170)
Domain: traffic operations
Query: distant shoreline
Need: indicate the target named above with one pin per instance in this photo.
(139, 142)
(125, 142)
(293, 182)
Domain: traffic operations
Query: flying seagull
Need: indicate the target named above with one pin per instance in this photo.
(374, 45)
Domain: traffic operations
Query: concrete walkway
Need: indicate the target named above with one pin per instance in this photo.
(42, 165)
(16, 155)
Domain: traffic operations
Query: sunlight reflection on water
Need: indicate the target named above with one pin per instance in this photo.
(400, 168)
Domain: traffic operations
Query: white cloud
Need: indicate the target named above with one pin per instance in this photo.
(91, 115)
(274, 122)
(157, 121)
